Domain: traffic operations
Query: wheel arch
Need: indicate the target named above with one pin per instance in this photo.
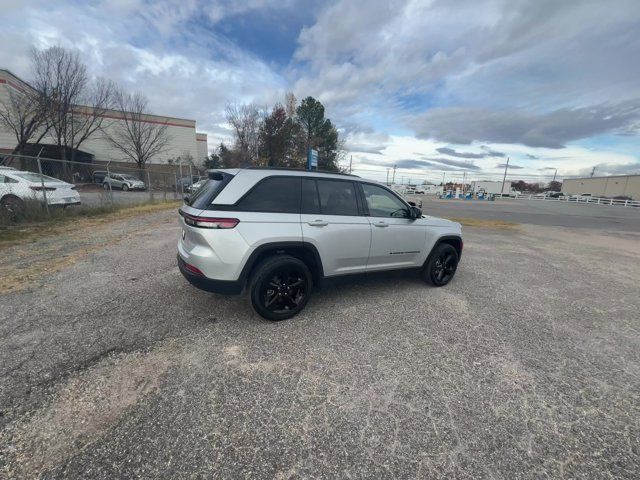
(303, 251)
(10, 195)
(454, 240)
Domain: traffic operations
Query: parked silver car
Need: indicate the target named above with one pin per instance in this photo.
(123, 181)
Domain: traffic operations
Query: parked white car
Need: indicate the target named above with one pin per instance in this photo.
(18, 187)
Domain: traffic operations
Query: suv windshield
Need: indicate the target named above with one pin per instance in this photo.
(203, 197)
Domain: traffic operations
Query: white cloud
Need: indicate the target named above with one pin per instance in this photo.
(498, 74)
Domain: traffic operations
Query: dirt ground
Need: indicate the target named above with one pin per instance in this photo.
(526, 366)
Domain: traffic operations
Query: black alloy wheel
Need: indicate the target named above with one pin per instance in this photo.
(281, 287)
(441, 266)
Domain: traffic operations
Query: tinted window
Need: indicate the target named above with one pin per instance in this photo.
(383, 203)
(337, 197)
(275, 194)
(310, 202)
(204, 196)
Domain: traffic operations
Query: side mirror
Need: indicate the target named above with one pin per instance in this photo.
(415, 212)
(412, 203)
(186, 199)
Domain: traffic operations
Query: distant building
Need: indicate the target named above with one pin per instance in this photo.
(184, 141)
(613, 186)
(203, 151)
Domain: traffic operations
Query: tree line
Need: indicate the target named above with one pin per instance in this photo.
(279, 137)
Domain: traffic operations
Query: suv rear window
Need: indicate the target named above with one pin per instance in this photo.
(203, 197)
(274, 194)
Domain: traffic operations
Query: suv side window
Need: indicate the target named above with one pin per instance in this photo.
(337, 197)
(382, 203)
(274, 194)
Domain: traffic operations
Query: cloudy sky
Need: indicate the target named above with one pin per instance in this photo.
(430, 86)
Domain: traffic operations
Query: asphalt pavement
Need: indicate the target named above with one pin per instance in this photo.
(526, 366)
(538, 212)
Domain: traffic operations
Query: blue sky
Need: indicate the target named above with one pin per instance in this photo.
(421, 84)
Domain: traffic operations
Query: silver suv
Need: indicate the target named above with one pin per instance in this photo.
(123, 181)
(280, 232)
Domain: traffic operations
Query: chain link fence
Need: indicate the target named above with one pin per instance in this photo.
(36, 186)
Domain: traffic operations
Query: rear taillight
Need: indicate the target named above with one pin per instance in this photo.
(208, 222)
(193, 269)
(39, 189)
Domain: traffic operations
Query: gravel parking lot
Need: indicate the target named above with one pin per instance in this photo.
(526, 366)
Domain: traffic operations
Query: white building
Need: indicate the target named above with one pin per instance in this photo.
(184, 141)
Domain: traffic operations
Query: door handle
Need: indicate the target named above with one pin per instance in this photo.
(318, 223)
(381, 224)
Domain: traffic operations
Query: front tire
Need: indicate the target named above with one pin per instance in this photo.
(441, 266)
(125, 187)
(280, 287)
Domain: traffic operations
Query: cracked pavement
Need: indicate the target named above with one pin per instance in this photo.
(526, 366)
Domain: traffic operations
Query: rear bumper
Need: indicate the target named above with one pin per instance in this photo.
(224, 287)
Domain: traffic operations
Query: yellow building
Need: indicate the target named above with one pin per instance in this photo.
(613, 186)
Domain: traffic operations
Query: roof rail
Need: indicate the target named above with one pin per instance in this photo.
(299, 170)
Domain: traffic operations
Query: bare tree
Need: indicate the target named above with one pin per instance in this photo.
(76, 106)
(134, 136)
(245, 121)
(22, 113)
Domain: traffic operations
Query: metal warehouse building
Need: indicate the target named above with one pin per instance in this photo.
(184, 141)
(614, 186)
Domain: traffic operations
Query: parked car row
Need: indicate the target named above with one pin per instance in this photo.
(125, 181)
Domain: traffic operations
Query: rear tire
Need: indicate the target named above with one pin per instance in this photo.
(441, 265)
(280, 287)
(14, 205)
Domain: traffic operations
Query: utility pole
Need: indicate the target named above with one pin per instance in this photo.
(556, 173)
(350, 163)
(443, 174)
(44, 190)
(506, 165)
(388, 168)
(593, 170)
(393, 182)
(464, 180)
(402, 180)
